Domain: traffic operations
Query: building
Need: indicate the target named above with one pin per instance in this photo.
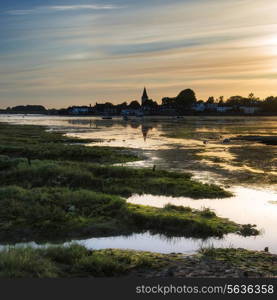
(144, 97)
(211, 106)
(223, 109)
(199, 107)
(79, 110)
(249, 110)
(131, 112)
(105, 108)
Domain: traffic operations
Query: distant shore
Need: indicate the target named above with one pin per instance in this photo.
(196, 114)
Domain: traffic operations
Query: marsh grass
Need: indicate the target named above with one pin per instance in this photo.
(23, 134)
(58, 213)
(26, 263)
(74, 261)
(10, 163)
(121, 181)
(34, 142)
(249, 261)
(55, 213)
(181, 221)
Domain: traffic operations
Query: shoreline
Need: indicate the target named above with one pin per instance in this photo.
(76, 261)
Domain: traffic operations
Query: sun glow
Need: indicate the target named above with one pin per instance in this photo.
(271, 44)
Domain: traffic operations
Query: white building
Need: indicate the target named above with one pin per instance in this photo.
(223, 109)
(249, 109)
(199, 107)
(77, 110)
(211, 106)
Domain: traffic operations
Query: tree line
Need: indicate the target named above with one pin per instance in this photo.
(185, 101)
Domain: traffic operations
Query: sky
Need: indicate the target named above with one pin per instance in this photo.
(60, 53)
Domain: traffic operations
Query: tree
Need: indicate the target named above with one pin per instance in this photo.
(235, 101)
(150, 103)
(108, 105)
(270, 104)
(186, 99)
(134, 105)
(211, 100)
(251, 96)
(220, 100)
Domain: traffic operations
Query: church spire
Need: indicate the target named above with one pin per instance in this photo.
(145, 93)
(144, 96)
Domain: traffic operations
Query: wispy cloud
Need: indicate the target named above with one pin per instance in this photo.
(67, 54)
(60, 8)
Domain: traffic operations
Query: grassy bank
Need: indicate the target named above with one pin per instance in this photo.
(34, 142)
(76, 261)
(73, 261)
(43, 214)
(121, 181)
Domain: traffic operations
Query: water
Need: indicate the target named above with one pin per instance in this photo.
(230, 165)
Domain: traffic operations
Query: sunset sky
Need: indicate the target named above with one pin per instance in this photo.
(63, 52)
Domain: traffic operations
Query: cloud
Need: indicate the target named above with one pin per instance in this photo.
(78, 7)
(60, 8)
(68, 54)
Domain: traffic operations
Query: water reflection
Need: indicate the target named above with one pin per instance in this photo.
(145, 130)
(142, 242)
(158, 243)
(178, 143)
(248, 206)
(96, 124)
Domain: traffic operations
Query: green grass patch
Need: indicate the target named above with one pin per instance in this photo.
(121, 181)
(34, 142)
(181, 221)
(74, 261)
(59, 213)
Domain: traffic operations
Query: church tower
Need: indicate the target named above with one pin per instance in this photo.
(144, 97)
